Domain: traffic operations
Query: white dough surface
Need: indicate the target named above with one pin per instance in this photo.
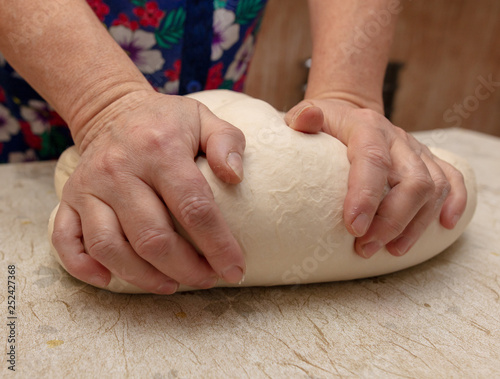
(287, 212)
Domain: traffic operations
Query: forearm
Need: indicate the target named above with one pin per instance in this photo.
(63, 51)
(351, 42)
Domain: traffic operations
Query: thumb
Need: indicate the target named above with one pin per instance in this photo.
(223, 145)
(305, 117)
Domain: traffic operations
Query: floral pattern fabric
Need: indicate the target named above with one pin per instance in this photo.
(151, 33)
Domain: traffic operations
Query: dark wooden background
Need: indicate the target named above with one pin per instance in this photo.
(447, 48)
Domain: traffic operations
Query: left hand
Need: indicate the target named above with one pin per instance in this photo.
(422, 186)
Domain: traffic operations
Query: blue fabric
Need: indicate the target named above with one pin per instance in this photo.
(197, 46)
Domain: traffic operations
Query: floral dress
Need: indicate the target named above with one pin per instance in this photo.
(181, 46)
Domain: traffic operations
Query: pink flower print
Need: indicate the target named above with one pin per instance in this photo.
(173, 74)
(150, 15)
(123, 20)
(214, 78)
(100, 9)
(32, 140)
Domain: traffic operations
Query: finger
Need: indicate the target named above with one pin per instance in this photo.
(412, 186)
(305, 117)
(370, 162)
(149, 228)
(67, 240)
(224, 145)
(456, 202)
(191, 201)
(105, 242)
(427, 213)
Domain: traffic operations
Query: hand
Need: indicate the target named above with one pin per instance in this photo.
(137, 165)
(422, 186)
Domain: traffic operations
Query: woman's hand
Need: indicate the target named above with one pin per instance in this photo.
(421, 186)
(137, 165)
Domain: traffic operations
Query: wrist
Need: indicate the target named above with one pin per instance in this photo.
(349, 98)
(102, 112)
(341, 66)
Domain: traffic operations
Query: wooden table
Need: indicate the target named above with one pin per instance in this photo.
(439, 319)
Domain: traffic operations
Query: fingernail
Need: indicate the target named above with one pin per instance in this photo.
(235, 162)
(360, 224)
(168, 288)
(232, 274)
(371, 248)
(209, 283)
(298, 113)
(242, 280)
(402, 245)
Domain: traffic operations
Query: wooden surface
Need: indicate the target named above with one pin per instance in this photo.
(436, 320)
(448, 48)
(277, 73)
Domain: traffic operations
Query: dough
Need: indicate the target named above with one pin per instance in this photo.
(287, 212)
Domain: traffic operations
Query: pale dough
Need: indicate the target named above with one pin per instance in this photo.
(287, 212)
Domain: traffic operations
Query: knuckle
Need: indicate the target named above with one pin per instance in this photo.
(393, 227)
(231, 131)
(423, 185)
(159, 140)
(238, 135)
(443, 187)
(58, 237)
(423, 148)
(408, 140)
(196, 211)
(445, 191)
(235, 134)
(402, 134)
(457, 176)
(222, 252)
(112, 163)
(152, 243)
(230, 134)
(111, 159)
(377, 155)
(102, 246)
(75, 186)
(370, 196)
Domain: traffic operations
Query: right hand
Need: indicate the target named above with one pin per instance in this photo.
(422, 186)
(137, 165)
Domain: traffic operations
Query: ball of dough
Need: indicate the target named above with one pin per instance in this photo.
(287, 213)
